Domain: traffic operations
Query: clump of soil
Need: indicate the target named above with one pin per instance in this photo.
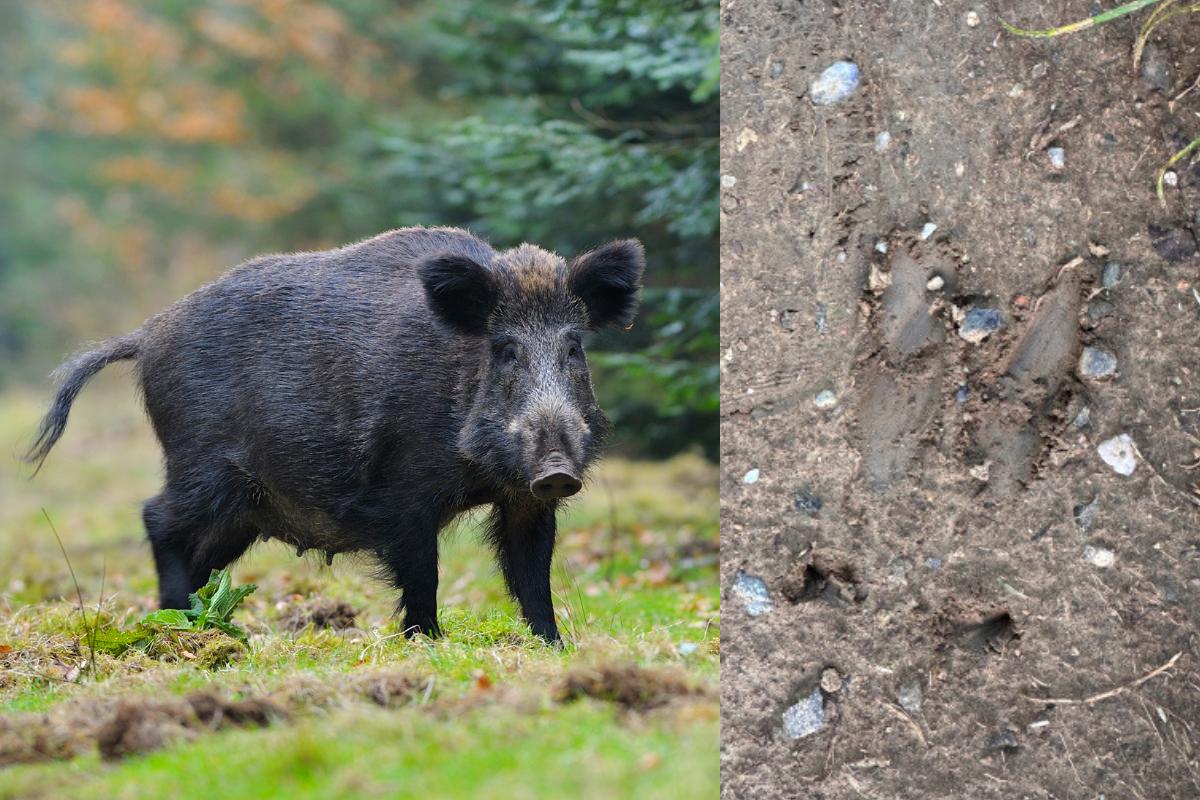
(126, 727)
(141, 725)
(390, 689)
(336, 615)
(630, 687)
(30, 738)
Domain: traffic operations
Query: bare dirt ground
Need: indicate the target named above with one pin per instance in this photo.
(962, 598)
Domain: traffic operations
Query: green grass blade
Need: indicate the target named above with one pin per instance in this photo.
(1175, 159)
(1099, 19)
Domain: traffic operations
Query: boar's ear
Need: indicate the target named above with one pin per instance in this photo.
(608, 280)
(461, 292)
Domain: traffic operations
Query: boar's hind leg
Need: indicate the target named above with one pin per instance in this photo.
(188, 547)
(524, 541)
(412, 563)
(170, 540)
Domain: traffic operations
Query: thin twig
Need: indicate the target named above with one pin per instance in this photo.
(1096, 698)
(902, 714)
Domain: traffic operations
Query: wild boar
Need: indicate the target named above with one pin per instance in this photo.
(360, 399)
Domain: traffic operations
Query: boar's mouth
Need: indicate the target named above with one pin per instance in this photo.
(555, 478)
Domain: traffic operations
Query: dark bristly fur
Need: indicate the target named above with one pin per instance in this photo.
(73, 375)
(360, 399)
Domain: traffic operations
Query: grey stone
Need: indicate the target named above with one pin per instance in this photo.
(822, 322)
(1096, 364)
(1085, 513)
(835, 84)
(806, 717)
(752, 591)
(910, 697)
(1110, 276)
(1156, 68)
(806, 502)
(980, 323)
(1003, 740)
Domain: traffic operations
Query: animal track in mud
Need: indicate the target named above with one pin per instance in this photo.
(825, 575)
(1020, 378)
(985, 630)
(907, 367)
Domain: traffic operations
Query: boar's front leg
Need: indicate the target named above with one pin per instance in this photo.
(524, 540)
(412, 561)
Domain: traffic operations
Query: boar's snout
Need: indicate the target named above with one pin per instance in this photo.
(555, 478)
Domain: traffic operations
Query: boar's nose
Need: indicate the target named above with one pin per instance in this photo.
(555, 479)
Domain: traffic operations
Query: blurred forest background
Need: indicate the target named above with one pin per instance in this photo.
(147, 147)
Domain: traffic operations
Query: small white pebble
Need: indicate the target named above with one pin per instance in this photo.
(881, 246)
(935, 283)
(1119, 453)
(928, 230)
(825, 400)
(1100, 557)
(1016, 90)
(972, 19)
(1170, 178)
(728, 181)
(1057, 156)
(882, 140)
(960, 169)
(751, 476)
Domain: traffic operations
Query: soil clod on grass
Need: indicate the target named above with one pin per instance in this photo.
(391, 689)
(335, 615)
(139, 726)
(630, 687)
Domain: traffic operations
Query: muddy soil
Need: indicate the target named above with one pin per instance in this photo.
(965, 599)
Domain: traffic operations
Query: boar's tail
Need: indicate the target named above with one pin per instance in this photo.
(74, 374)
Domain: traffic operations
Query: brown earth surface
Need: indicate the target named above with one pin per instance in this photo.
(965, 600)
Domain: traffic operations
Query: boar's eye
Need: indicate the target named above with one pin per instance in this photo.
(508, 355)
(574, 351)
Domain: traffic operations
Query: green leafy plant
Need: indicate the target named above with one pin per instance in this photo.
(212, 609)
(1166, 10)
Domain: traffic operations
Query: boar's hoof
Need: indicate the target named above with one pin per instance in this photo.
(555, 480)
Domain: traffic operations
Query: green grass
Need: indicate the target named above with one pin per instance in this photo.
(578, 751)
(635, 578)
